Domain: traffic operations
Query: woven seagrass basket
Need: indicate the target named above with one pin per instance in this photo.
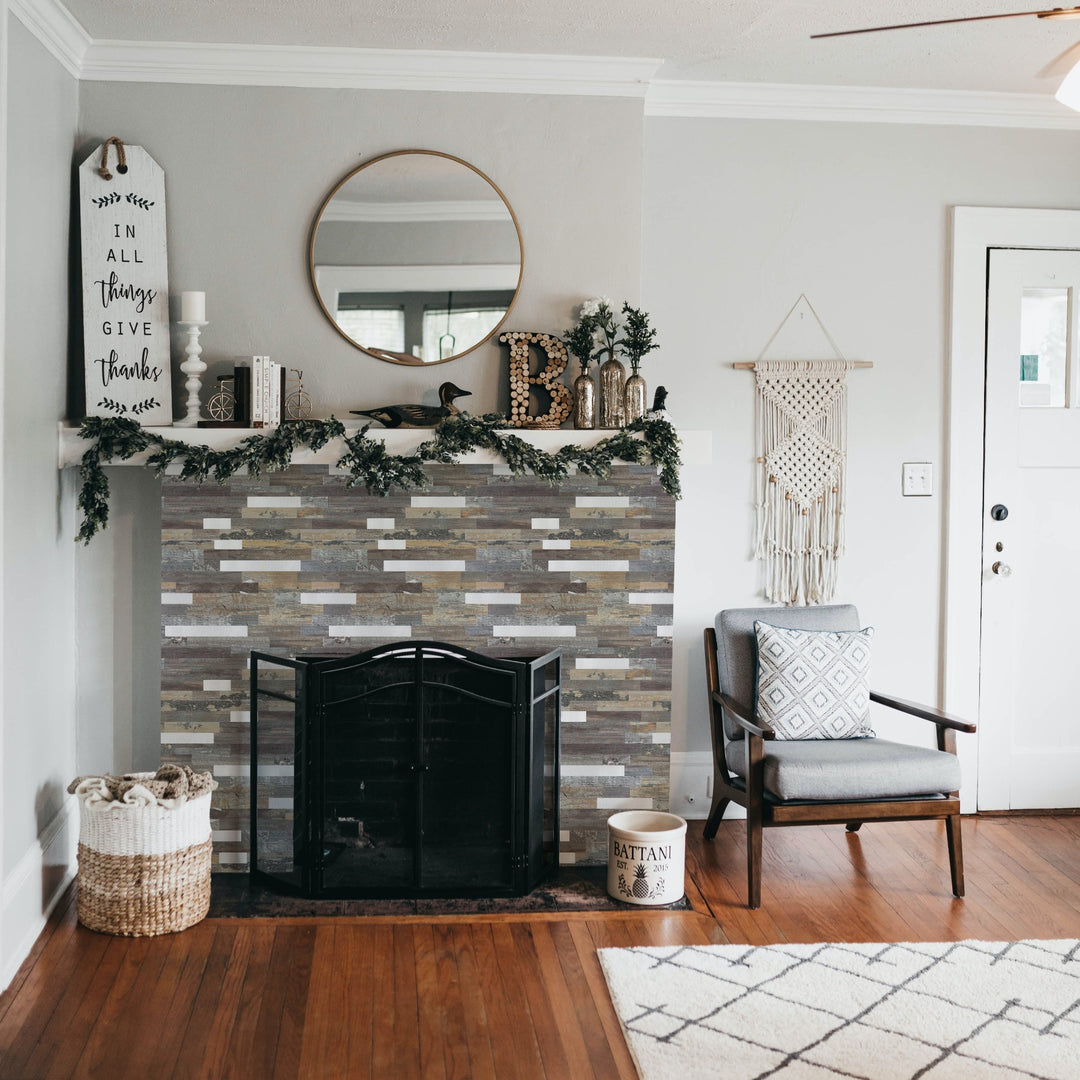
(144, 870)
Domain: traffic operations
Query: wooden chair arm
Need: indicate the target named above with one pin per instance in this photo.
(924, 712)
(754, 727)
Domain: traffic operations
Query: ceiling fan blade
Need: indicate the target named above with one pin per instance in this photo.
(1043, 13)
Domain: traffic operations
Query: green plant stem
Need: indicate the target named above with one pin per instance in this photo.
(367, 461)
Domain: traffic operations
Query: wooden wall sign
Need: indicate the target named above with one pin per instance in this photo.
(522, 400)
(125, 285)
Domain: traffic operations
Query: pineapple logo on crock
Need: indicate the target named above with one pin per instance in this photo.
(639, 888)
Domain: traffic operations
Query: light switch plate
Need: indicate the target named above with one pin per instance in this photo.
(918, 478)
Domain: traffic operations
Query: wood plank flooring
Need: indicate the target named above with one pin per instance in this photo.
(497, 996)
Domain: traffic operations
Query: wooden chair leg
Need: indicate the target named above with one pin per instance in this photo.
(854, 826)
(956, 853)
(719, 805)
(753, 860)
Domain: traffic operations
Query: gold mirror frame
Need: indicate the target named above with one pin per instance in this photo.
(402, 358)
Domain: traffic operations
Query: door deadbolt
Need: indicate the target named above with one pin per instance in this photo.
(999, 512)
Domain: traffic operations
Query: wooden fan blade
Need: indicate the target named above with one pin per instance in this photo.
(1043, 13)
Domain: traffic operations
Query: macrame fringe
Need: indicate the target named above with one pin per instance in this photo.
(802, 448)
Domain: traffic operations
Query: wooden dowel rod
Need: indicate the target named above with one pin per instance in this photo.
(749, 365)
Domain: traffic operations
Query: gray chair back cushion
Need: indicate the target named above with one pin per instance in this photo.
(736, 645)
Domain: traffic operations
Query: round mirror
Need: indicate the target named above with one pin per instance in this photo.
(416, 257)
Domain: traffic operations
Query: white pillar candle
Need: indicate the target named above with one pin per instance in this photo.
(193, 307)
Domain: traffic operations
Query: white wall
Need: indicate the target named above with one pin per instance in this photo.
(739, 218)
(39, 730)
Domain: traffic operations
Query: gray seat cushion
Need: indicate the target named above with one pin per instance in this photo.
(843, 769)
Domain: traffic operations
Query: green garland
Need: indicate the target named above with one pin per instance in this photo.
(367, 460)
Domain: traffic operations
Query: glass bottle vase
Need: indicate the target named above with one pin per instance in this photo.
(584, 401)
(612, 394)
(636, 392)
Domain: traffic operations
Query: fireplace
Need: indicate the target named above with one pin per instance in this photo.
(411, 769)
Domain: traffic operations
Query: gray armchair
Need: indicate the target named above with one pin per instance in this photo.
(817, 781)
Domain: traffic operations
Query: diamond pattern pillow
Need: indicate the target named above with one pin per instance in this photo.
(814, 684)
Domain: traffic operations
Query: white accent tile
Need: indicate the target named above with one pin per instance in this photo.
(232, 857)
(369, 631)
(177, 738)
(274, 502)
(227, 836)
(177, 597)
(665, 631)
(661, 736)
(545, 523)
(279, 804)
(650, 598)
(217, 523)
(592, 770)
(391, 545)
(624, 804)
(228, 545)
(217, 684)
(438, 501)
(567, 858)
(556, 545)
(424, 566)
(534, 631)
(380, 523)
(588, 566)
(564, 836)
(347, 598)
(602, 663)
(573, 716)
(232, 770)
(603, 502)
(493, 598)
(240, 716)
(260, 566)
(206, 631)
(275, 770)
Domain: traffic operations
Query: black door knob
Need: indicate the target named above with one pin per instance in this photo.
(999, 512)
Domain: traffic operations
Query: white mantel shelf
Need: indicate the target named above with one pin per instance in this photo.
(696, 445)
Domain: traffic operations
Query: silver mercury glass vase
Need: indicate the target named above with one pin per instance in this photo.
(612, 394)
(584, 401)
(636, 392)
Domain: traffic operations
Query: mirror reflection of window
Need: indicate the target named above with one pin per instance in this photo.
(444, 329)
(381, 328)
(406, 231)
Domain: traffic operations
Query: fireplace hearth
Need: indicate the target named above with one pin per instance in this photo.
(408, 770)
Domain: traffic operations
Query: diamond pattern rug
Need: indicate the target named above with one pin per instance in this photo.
(967, 1010)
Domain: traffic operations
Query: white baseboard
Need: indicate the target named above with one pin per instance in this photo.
(30, 892)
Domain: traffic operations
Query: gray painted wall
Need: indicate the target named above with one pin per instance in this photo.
(421, 243)
(39, 684)
(739, 218)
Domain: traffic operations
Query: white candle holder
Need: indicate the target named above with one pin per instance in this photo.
(193, 367)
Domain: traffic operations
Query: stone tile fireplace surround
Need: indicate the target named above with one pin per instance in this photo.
(297, 561)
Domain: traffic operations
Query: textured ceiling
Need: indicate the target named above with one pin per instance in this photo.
(731, 40)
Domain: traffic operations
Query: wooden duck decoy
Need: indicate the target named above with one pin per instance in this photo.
(417, 416)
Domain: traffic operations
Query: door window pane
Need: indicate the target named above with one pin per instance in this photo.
(443, 329)
(1044, 339)
(377, 328)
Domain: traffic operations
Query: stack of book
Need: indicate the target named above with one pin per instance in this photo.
(258, 395)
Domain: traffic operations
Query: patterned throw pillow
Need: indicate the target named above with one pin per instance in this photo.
(814, 684)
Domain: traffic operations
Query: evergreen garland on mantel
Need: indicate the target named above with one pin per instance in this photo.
(367, 460)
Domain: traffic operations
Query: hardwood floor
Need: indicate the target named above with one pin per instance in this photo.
(501, 995)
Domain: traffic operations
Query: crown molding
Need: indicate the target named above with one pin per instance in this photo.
(340, 209)
(56, 28)
(520, 73)
(867, 104)
(367, 69)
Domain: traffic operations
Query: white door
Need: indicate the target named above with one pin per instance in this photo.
(1030, 652)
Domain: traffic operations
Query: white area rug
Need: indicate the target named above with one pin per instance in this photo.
(966, 1010)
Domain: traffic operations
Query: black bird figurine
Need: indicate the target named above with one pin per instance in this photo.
(417, 416)
(658, 400)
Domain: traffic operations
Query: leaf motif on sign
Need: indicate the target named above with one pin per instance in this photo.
(142, 406)
(136, 200)
(116, 406)
(106, 200)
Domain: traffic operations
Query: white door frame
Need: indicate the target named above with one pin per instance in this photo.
(975, 229)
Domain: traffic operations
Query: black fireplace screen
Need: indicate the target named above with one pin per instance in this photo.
(417, 769)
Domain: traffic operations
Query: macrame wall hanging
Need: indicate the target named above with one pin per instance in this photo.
(801, 455)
